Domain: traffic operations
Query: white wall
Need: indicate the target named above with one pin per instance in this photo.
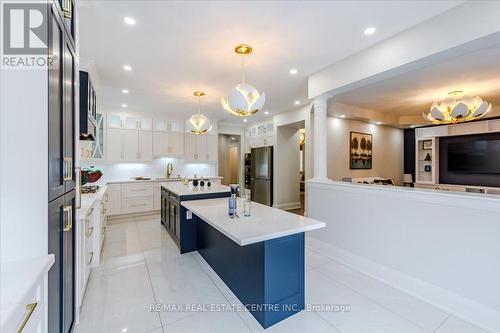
(286, 168)
(387, 150)
(439, 246)
(23, 164)
(156, 168)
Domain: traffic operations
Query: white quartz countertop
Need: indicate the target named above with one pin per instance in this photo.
(265, 222)
(180, 189)
(154, 179)
(17, 278)
(88, 200)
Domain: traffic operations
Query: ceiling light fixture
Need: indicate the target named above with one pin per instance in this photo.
(370, 31)
(378, 123)
(129, 20)
(124, 91)
(243, 100)
(198, 123)
(124, 105)
(457, 108)
(127, 68)
(296, 102)
(245, 120)
(342, 116)
(266, 113)
(293, 71)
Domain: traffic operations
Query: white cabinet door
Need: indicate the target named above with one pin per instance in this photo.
(114, 197)
(212, 148)
(189, 147)
(114, 120)
(175, 144)
(156, 196)
(159, 125)
(115, 145)
(160, 143)
(145, 123)
(145, 145)
(200, 148)
(131, 122)
(131, 145)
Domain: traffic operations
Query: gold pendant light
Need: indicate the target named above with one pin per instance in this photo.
(198, 123)
(457, 108)
(243, 100)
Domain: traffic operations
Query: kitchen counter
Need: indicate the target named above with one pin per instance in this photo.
(181, 190)
(88, 200)
(154, 179)
(17, 280)
(260, 257)
(265, 222)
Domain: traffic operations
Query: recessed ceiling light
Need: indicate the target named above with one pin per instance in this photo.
(245, 120)
(296, 102)
(370, 31)
(342, 116)
(232, 138)
(293, 71)
(378, 123)
(127, 68)
(413, 126)
(266, 112)
(129, 20)
(124, 105)
(125, 91)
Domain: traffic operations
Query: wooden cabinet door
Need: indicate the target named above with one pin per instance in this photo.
(69, 108)
(130, 145)
(201, 148)
(189, 147)
(212, 148)
(61, 233)
(145, 145)
(114, 145)
(57, 165)
(176, 144)
(160, 143)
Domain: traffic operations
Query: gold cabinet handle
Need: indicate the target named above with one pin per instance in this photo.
(90, 232)
(69, 168)
(91, 257)
(30, 308)
(69, 224)
(91, 211)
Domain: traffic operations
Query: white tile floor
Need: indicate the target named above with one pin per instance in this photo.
(142, 266)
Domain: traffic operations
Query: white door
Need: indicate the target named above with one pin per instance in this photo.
(200, 148)
(145, 145)
(190, 147)
(115, 144)
(176, 144)
(160, 143)
(212, 148)
(131, 145)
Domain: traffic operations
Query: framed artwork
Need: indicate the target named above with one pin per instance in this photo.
(427, 144)
(360, 151)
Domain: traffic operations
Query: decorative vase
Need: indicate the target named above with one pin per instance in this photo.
(427, 168)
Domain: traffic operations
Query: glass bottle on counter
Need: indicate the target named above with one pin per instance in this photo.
(232, 201)
(247, 203)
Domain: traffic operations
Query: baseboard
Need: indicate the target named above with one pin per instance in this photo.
(467, 309)
(123, 217)
(288, 206)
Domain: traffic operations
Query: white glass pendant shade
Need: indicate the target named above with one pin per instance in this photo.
(457, 108)
(199, 123)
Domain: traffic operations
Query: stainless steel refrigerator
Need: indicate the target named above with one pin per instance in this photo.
(261, 181)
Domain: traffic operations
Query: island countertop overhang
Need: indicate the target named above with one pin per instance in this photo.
(265, 223)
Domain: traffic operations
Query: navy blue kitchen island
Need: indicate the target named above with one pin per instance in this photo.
(260, 258)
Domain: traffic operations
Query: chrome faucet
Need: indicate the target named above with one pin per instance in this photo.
(169, 169)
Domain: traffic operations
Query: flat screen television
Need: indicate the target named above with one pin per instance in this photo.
(477, 155)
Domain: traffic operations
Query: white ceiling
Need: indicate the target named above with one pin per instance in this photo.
(179, 47)
(476, 73)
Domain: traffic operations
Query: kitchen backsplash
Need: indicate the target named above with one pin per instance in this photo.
(155, 168)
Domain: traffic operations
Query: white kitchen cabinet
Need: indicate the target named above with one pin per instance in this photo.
(114, 149)
(114, 199)
(212, 142)
(160, 144)
(157, 196)
(190, 147)
(145, 146)
(137, 197)
(175, 144)
(115, 120)
(130, 145)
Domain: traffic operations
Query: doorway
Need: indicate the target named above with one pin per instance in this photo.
(229, 158)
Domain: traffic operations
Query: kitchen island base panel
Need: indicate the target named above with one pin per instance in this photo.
(267, 277)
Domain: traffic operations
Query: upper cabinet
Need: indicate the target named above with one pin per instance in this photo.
(88, 108)
(94, 150)
(201, 148)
